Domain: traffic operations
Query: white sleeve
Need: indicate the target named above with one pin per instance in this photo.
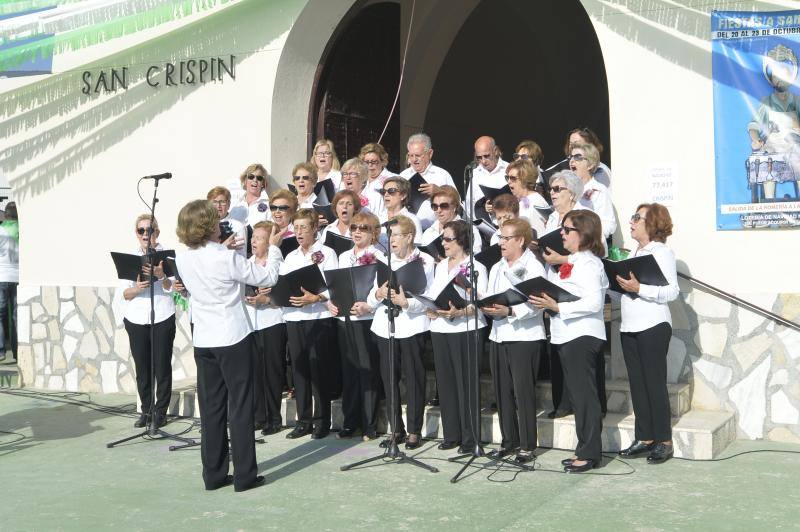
(665, 258)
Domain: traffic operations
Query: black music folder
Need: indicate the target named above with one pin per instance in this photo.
(491, 193)
(171, 269)
(489, 256)
(415, 197)
(129, 266)
(325, 191)
(509, 298)
(326, 211)
(434, 248)
(288, 244)
(553, 241)
(338, 243)
(442, 301)
(349, 285)
(537, 285)
(308, 277)
(644, 267)
(411, 276)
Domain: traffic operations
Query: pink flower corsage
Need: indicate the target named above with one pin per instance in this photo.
(364, 200)
(565, 270)
(416, 257)
(367, 258)
(317, 257)
(588, 194)
(525, 202)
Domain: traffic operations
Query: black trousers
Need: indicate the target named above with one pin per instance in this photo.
(225, 390)
(309, 344)
(360, 373)
(646, 359)
(454, 375)
(270, 368)
(408, 359)
(561, 398)
(161, 356)
(579, 361)
(514, 366)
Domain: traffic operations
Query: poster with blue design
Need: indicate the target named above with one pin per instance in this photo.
(756, 118)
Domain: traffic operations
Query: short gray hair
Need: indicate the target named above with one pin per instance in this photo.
(571, 180)
(419, 138)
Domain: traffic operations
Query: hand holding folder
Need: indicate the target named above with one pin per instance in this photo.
(292, 285)
(644, 267)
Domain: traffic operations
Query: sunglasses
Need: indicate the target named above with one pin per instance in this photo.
(511, 178)
(360, 227)
(301, 178)
(577, 157)
(282, 208)
(391, 191)
(142, 230)
(444, 206)
(254, 176)
(557, 189)
(636, 217)
(567, 229)
(449, 239)
(523, 156)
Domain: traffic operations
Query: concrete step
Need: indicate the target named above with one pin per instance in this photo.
(696, 434)
(9, 373)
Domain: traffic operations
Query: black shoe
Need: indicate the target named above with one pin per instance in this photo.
(142, 421)
(523, 457)
(272, 428)
(447, 445)
(160, 420)
(413, 441)
(259, 481)
(320, 432)
(500, 453)
(345, 434)
(298, 432)
(399, 437)
(465, 449)
(661, 453)
(259, 425)
(637, 448)
(567, 461)
(588, 466)
(560, 413)
(226, 482)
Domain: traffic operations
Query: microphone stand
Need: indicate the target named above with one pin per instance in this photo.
(152, 430)
(477, 451)
(392, 452)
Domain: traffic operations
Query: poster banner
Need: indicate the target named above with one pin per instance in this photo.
(756, 118)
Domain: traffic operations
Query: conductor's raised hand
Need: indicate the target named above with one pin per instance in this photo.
(276, 236)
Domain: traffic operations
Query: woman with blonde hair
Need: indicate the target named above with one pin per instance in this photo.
(326, 163)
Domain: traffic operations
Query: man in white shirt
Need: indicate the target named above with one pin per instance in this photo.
(420, 153)
(490, 172)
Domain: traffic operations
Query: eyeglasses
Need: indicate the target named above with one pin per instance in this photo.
(444, 206)
(372, 162)
(507, 238)
(362, 228)
(254, 176)
(636, 217)
(511, 178)
(412, 157)
(351, 174)
(142, 230)
(523, 156)
(567, 229)
(391, 191)
(449, 239)
(282, 208)
(323, 154)
(219, 203)
(301, 178)
(488, 156)
(302, 228)
(577, 157)
(557, 188)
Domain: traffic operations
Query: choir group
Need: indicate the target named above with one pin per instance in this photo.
(301, 276)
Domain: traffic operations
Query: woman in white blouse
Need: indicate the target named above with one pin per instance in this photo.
(270, 339)
(376, 158)
(645, 332)
(345, 205)
(395, 197)
(583, 160)
(220, 198)
(223, 344)
(360, 363)
(326, 163)
(453, 345)
(254, 206)
(304, 177)
(446, 206)
(516, 343)
(577, 328)
(521, 176)
(309, 330)
(137, 325)
(354, 177)
(410, 326)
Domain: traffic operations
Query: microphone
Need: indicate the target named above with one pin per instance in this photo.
(389, 223)
(559, 162)
(473, 164)
(165, 175)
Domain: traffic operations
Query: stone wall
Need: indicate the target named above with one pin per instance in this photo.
(735, 360)
(72, 339)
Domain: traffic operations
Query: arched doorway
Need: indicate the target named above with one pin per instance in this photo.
(358, 83)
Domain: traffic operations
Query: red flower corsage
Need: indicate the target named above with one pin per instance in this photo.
(565, 270)
(317, 257)
(367, 258)
(364, 200)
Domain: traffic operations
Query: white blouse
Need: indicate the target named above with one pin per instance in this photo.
(215, 277)
(525, 323)
(583, 317)
(251, 214)
(411, 320)
(527, 210)
(384, 217)
(263, 316)
(442, 276)
(350, 259)
(597, 198)
(296, 260)
(137, 310)
(433, 232)
(650, 307)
